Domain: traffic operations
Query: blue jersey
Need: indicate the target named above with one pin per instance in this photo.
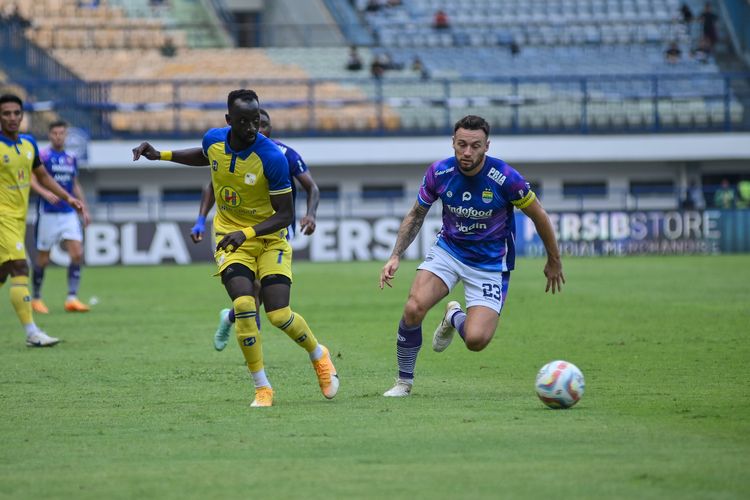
(297, 167)
(63, 167)
(478, 224)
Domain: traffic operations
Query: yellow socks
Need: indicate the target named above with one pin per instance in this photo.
(248, 335)
(20, 298)
(295, 326)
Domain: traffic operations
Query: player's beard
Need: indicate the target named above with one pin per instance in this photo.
(471, 168)
(11, 128)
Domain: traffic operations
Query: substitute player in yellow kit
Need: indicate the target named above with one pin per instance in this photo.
(253, 192)
(19, 157)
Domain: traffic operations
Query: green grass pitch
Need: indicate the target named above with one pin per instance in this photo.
(135, 403)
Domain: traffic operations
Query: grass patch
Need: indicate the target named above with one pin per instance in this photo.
(135, 403)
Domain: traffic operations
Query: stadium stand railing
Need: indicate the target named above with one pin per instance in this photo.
(580, 104)
(50, 88)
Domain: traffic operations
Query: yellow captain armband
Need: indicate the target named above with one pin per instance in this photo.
(525, 201)
(249, 232)
(165, 155)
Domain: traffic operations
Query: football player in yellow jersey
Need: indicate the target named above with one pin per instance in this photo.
(19, 158)
(251, 183)
(298, 172)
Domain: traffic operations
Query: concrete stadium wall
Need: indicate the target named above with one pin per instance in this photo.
(349, 165)
(352, 228)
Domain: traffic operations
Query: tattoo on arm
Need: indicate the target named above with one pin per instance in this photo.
(409, 229)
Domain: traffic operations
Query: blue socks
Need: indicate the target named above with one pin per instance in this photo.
(37, 279)
(457, 320)
(74, 279)
(407, 347)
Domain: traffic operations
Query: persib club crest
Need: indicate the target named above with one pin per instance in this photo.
(487, 196)
(230, 196)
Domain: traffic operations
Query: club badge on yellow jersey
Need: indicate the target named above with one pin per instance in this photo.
(244, 181)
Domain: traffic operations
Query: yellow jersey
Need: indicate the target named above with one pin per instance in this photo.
(244, 181)
(17, 159)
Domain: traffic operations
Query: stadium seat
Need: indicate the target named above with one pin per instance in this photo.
(615, 45)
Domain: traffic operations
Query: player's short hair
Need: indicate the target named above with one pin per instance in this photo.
(11, 98)
(473, 122)
(241, 95)
(264, 113)
(58, 123)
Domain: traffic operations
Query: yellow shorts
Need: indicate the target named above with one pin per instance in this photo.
(12, 235)
(262, 256)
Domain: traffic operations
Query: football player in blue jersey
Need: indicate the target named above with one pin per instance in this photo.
(297, 170)
(476, 245)
(57, 221)
(250, 176)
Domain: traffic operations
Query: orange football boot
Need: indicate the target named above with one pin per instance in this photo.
(263, 397)
(328, 379)
(39, 307)
(75, 305)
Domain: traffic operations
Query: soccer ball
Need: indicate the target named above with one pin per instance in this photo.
(559, 384)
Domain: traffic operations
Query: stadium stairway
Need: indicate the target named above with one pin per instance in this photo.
(291, 23)
(201, 24)
(350, 23)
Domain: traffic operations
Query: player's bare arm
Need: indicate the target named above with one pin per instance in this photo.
(208, 199)
(78, 192)
(408, 230)
(44, 193)
(46, 181)
(207, 202)
(283, 216)
(307, 223)
(553, 268)
(192, 157)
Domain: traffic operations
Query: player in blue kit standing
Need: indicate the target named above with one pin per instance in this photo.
(475, 245)
(57, 221)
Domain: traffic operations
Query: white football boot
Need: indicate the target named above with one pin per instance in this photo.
(221, 337)
(400, 390)
(40, 339)
(443, 335)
